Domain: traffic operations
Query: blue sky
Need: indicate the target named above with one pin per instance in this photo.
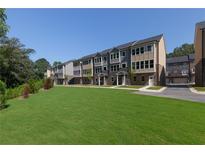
(64, 34)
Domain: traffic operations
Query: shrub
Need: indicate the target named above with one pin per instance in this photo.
(48, 83)
(35, 85)
(14, 92)
(2, 94)
(26, 91)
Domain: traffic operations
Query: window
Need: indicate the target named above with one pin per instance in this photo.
(149, 48)
(123, 65)
(105, 58)
(135, 78)
(133, 65)
(123, 53)
(138, 65)
(117, 55)
(111, 56)
(137, 51)
(142, 78)
(118, 68)
(142, 64)
(133, 52)
(112, 69)
(104, 68)
(112, 79)
(146, 64)
(142, 50)
(151, 64)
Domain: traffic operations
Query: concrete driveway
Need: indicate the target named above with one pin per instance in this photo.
(178, 92)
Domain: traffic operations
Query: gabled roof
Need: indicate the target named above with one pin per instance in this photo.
(180, 59)
(154, 38)
(88, 56)
(125, 45)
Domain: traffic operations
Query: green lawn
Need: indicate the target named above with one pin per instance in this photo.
(155, 88)
(101, 116)
(200, 88)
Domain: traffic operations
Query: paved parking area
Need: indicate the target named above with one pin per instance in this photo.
(178, 92)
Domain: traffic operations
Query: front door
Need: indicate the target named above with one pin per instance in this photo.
(151, 80)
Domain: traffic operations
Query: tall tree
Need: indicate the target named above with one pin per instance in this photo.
(3, 26)
(184, 49)
(56, 63)
(41, 66)
(15, 65)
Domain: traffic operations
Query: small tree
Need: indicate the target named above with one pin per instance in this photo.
(26, 91)
(89, 75)
(2, 95)
(48, 83)
(131, 74)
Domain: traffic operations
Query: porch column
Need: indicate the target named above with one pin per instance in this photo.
(98, 80)
(105, 82)
(124, 78)
(117, 80)
(81, 81)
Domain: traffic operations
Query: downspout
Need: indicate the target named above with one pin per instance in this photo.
(189, 68)
(203, 63)
(157, 64)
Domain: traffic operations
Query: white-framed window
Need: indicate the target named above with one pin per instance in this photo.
(138, 65)
(133, 65)
(137, 51)
(105, 68)
(142, 50)
(149, 48)
(151, 64)
(142, 78)
(124, 65)
(133, 52)
(146, 64)
(142, 64)
(123, 53)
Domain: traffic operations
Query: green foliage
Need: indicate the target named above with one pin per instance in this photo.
(14, 92)
(183, 50)
(35, 85)
(2, 94)
(26, 91)
(3, 26)
(15, 64)
(56, 63)
(48, 83)
(41, 65)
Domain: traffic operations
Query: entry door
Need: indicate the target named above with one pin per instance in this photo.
(151, 80)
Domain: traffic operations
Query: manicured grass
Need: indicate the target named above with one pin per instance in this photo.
(131, 86)
(200, 88)
(65, 115)
(155, 88)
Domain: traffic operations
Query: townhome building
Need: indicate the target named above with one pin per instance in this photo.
(101, 67)
(140, 62)
(148, 61)
(180, 70)
(199, 44)
(62, 74)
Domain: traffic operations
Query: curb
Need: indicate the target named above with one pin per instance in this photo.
(196, 92)
(156, 91)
